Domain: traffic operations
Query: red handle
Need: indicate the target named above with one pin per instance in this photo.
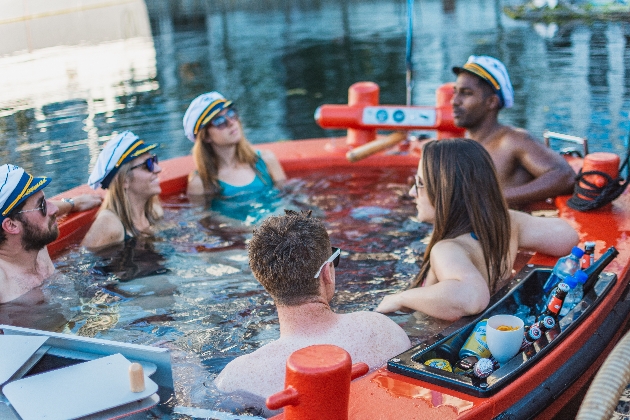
(288, 396)
(358, 369)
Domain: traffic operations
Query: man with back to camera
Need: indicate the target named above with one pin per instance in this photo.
(29, 223)
(291, 257)
(527, 170)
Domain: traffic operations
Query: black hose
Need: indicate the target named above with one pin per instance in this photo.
(588, 196)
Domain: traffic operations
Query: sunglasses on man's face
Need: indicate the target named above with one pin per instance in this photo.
(42, 208)
(334, 258)
(148, 164)
(221, 121)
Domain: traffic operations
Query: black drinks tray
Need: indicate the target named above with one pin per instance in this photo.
(525, 290)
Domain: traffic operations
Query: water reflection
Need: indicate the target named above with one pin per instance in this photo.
(136, 65)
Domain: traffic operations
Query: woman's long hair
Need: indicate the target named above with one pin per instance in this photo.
(462, 185)
(116, 201)
(207, 161)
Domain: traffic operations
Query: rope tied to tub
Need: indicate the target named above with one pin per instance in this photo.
(589, 196)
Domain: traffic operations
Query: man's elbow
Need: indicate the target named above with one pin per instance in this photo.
(566, 181)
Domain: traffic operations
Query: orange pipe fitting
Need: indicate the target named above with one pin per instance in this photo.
(362, 94)
(363, 115)
(317, 384)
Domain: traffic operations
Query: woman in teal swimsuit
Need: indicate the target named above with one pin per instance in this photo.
(227, 165)
(475, 237)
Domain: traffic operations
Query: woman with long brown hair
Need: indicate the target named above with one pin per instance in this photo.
(475, 237)
(226, 163)
(129, 174)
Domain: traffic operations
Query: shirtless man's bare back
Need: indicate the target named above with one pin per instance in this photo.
(527, 170)
(291, 257)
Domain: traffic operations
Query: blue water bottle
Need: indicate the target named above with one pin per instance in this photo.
(566, 266)
(576, 293)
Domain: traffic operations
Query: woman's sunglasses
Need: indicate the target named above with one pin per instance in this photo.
(334, 258)
(221, 121)
(418, 182)
(42, 208)
(148, 164)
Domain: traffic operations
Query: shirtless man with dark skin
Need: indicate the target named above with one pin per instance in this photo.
(528, 171)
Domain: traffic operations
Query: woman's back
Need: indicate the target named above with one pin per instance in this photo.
(475, 239)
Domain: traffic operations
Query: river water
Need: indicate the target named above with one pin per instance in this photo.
(73, 74)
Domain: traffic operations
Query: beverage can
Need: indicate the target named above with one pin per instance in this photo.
(476, 344)
(439, 364)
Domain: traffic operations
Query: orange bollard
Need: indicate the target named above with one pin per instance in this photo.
(362, 94)
(317, 384)
(446, 125)
(607, 163)
(602, 162)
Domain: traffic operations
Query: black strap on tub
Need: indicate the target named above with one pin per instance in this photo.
(588, 196)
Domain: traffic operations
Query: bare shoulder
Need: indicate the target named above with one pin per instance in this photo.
(259, 373)
(375, 322)
(267, 154)
(273, 165)
(195, 186)
(157, 208)
(231, 377)
(107, 229)
(460, 259)
(449, 248)
(364, 329)
(520, 138)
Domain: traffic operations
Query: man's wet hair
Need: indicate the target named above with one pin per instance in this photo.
(285, 252)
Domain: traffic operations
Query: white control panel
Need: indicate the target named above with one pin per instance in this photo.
(399, 116)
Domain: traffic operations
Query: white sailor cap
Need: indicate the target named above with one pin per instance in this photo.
(201, 110)
(493, 72)
(16, 185)
(123, 148)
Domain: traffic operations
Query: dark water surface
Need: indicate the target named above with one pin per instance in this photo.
(70, 78)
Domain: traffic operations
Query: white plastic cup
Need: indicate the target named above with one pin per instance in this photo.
(504, 344)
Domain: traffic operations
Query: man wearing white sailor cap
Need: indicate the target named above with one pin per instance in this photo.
(527, 170)
(29, 223)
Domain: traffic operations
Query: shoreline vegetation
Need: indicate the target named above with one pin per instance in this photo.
(553, 11)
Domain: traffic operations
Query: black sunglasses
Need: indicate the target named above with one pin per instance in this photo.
(334, 258)
(43, 208)
(338, 252)
(221, 121)
(148, 164)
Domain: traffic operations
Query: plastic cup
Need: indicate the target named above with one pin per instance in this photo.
(504, 335)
